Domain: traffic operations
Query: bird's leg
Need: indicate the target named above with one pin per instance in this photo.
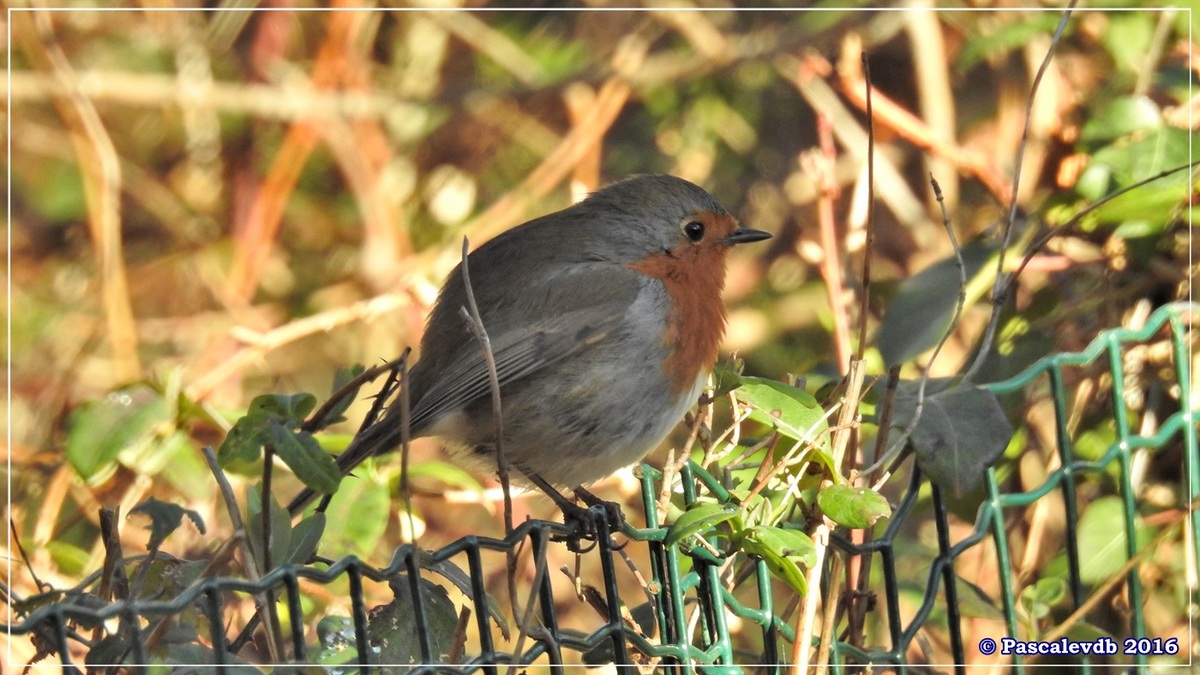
(616, 517)
(572, 512)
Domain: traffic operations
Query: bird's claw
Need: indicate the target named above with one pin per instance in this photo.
(584, 523)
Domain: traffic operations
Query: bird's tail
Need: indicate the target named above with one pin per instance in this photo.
(382, 436)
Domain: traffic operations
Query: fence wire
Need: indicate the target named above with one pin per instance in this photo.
(691, 606)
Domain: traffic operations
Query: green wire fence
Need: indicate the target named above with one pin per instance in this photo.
(692, 606)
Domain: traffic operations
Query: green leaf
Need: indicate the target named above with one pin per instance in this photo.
(791, 411)
(1122, 117)
(357, 518)
(335, 634)
(244, 441)
(101, 429)
(919, 314)
(1131, 160)
(961, 432)
(69, 558)
(304, 456)
(726, 379)
(165, 518)
(975, 602)
(1001, 41)
(393, 627)
(280, 543)
(787, 542)
(292, 408)
(1128, 38)
(340, 379)
(1041, 598)
(305, 537)
(1102, 537)
(445, 473)
(699, 518)
(783, 551)
(268, 414)
(853, 507)
(112, 649)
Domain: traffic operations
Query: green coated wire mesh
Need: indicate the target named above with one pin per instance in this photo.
(1089, 588)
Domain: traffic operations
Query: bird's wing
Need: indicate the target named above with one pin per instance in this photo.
(553, 320)
(517, 353)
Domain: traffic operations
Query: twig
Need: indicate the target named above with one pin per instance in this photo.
(762, 479)
(865, 293)
(916, 131)
(829, 619)
(16, 540)
(804, 629)
(887, 405)
(274, 641)
(266, 502)
(405, 440)
(493, 44)
(1000, 286)
(898, 444)
(831, 269)
(474, 322)
(527, 615)
(1037, 246)
(257, 344)
(312, 424)
(575, 146)
(253, 247)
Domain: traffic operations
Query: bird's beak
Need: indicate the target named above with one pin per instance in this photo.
(745, 235)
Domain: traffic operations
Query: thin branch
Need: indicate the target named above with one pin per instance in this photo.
(1037, 246)
(405, 440)
(869, 245)
(806, 619)
(261, 604)
(1101, 592)
(898, 444)
(313, 423)
(470, 315)
(1001, 285)
(821, 166)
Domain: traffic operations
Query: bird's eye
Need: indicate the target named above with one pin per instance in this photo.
(694, 230)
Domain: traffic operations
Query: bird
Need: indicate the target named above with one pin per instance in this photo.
(604, 320)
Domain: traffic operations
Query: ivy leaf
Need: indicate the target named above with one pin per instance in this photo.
(784, 551)
(919, 314)
(962, 431)
(101, 429)
(244, 441)
(394, 628)
(791, 411)
(697, 519)
(853, 507)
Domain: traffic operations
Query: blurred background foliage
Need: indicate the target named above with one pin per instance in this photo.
(209, 205)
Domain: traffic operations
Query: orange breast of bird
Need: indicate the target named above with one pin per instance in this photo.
(694, 276)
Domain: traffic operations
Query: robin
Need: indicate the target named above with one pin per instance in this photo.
(604, 321)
